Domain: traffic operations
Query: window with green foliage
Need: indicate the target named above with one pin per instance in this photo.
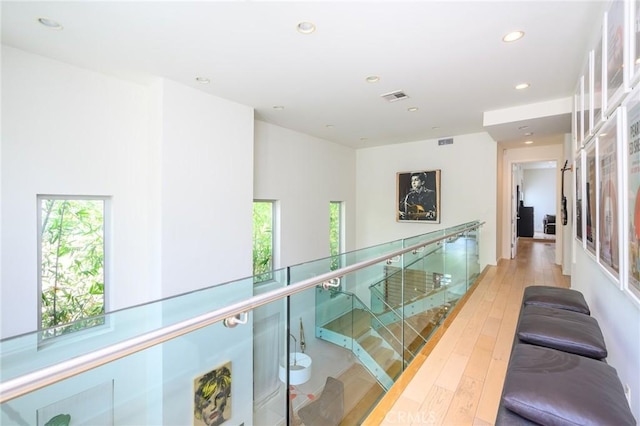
(263, 240)
(335, 232)
(72, 263)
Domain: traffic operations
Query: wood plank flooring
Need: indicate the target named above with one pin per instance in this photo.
(458, 380)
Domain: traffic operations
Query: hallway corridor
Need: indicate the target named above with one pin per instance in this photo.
(457, 381)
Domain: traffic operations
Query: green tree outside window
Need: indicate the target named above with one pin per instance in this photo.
(72, 264)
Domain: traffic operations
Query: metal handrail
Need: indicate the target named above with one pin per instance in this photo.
(22, 385)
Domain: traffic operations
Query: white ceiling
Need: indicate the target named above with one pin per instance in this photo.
(447, 56)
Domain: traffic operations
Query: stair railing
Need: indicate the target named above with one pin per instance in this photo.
(233, 313)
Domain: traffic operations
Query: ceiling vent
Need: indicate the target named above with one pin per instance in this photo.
(398, 95)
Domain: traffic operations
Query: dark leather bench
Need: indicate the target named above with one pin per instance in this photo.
(557, 373)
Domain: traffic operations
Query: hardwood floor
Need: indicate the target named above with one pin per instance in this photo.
(458, 380)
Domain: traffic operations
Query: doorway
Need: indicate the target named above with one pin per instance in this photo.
(534, 202)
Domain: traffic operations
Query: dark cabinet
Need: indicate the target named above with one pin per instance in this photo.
(525, 221)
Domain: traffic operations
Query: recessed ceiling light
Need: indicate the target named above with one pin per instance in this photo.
(278, 107)
(529, 134)
(513, 36)
(412, 109)
(372, 79)
(50, 23)
(528, 142)
(306, 27)
(203, 80)
(522, 86)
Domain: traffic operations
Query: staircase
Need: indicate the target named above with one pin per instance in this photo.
(377, 340)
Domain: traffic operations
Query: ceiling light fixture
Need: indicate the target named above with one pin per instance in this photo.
(529, 134)
(50, 23)
(513, 36)
(306, 27)
(203, 80)
(372, 79)
(278, 107)
(528, 142)
(522, 86)
(412, 109)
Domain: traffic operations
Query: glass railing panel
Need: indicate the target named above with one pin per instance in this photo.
(207, 376)
(26, 353)
(332, 392)
(424, 295)
(473, 257)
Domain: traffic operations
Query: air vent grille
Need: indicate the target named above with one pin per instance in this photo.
(398, 95)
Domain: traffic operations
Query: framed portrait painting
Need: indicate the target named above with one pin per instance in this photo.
(418, 196)
(212, 397)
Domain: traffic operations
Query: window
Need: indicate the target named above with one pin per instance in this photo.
(263, 240)
(335, 233)
(71, 233)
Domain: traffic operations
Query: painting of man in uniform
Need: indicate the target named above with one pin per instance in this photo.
(419, 196)
(212, 397)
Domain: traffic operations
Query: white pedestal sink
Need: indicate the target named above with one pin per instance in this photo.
(299, 369)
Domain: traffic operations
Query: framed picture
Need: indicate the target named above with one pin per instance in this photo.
(609, 211)
(598, 77)
(418, 195)
(590, 225)
(614, 49)
(579, 191)
(587, 97)
(579, 113)
(632, 166)
(212, 397)
(633, 64)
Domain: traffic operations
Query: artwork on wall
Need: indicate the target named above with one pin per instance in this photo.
(579, 114)
(212, 397)
(632, 163)
(633, 64)
(587, 96)
(615, 46)
(418, 195)
(608, 197)
(93, 406)
(590, 196)
(598, 96)
(578, 197)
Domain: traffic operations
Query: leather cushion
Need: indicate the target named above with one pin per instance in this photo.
(551, 387)
(563, 330)
(556, 297)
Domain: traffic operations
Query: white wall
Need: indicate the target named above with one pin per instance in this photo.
(468, 188)
(304, 174)
(207, 185)
(178, 165)
(56, 120)
(522, 155)
(539, 187)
